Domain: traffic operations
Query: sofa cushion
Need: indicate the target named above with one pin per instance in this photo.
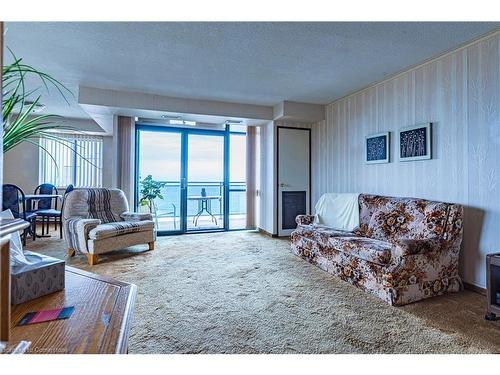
(120, 228)
(391, 219)
(404, 247)
(320, 233)
(369, 249)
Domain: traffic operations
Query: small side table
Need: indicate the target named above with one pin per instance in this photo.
(493, 285)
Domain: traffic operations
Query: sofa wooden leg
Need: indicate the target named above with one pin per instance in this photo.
(151, 245)
(490, 316)
(71, 252)
(92, 259)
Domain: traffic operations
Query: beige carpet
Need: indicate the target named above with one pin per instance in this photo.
(243, 292)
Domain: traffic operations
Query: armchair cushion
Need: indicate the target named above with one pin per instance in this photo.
(76, 232)
(97, 203)
(119, 228)
(136, 216)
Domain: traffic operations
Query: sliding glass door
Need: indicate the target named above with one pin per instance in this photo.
(237, 178)
(159, 156)
(205, 186)
(183, 178)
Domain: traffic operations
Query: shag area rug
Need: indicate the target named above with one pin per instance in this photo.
(244, 292)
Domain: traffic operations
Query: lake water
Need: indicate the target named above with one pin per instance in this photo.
(171, 195)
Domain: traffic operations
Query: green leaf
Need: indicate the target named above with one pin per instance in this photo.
(18, 123)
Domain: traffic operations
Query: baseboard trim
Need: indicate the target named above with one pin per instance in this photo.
(263, 231)
(475, 288)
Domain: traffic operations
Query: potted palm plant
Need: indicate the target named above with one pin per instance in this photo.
(21, 123)
(151, 190)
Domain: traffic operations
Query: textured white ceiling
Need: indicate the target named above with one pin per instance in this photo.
(254, 63)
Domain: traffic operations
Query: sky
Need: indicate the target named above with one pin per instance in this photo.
(160, 156)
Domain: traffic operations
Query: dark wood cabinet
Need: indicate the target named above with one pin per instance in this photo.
(493, 285)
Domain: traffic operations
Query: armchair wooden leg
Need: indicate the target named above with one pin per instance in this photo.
(151, 245)
(71, 252)
(92, 259)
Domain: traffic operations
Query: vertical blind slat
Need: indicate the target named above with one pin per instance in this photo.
(78, 161)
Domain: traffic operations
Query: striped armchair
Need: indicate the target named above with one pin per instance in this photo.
(97, 221)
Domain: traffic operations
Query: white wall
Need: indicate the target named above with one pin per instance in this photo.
(460, 94)
(258, 179)
(267, 177)
(20, 167)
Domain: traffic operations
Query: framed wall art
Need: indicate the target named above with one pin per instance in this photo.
(377, 148)
(415, 142)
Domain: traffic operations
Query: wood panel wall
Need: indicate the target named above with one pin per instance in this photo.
(460, 94)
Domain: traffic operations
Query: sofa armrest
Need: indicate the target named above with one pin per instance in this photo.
(404, 247)
(304, 219)
(136, 216)
(76, 232)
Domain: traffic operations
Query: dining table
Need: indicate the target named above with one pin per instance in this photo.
(37, 197)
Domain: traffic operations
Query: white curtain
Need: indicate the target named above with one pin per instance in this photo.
(125, 133)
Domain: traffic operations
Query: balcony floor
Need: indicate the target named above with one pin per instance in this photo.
(204, 223)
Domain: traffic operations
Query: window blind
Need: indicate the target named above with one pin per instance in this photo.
(74, 159)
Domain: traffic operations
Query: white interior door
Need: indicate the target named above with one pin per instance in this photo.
(293, 177)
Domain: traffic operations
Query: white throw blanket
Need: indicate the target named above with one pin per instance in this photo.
(338, 211)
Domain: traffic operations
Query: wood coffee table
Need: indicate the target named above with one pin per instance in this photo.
(100, 322)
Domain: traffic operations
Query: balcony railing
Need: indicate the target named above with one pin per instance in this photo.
(169, 206)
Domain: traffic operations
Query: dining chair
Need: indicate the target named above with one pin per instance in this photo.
(13, 199)
(47, 207)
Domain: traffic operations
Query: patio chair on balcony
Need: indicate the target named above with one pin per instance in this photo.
(168, 213)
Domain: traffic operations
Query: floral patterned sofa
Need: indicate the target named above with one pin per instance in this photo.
(404, 250)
